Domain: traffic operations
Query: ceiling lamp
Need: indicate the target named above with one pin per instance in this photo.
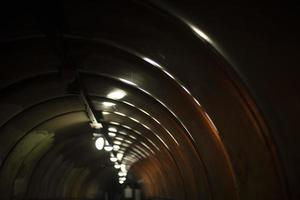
(119, 156)
(112, 129)
(117, 166)
(116, 94)
(108, 104)
(111, 134)
(113, 159)
(100, 143)
(116, 147)
(107, 146)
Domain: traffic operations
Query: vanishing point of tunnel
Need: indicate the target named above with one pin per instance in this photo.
(149, 100)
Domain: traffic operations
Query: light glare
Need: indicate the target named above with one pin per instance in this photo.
(117, 94)
(108, 104)
(112, 129)
(99, 143)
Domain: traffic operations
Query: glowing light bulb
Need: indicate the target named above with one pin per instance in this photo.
(107, 146)
(116, 147)
(117, 94)
(117, 166)
(108, 104)
(112, 129)
(113, 159)
(111, 134)
(119, 156)
(100, 143)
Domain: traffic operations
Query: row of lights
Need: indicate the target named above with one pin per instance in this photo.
(101, 143)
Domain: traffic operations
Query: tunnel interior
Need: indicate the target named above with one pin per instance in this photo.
(130, 100)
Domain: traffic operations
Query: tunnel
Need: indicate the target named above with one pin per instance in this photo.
(168, 100)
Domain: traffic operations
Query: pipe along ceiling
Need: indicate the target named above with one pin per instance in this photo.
(179, 118)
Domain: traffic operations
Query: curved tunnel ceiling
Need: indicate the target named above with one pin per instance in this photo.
(182, 118)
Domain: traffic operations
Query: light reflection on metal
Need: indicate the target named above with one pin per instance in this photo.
(123, 133)
(211, 122)
(138, 133)
(108, 104)
(172, 114)
(200, 33)
(187, 91)
(146, 127)
(125, 145)
(141, 149)
(128, 127)
(139, 152)
(127, 81)
(135, 120)
(152, 62)
(157, 148)
(119, 138)
(105, 113)
(148, 147)
(128, 141)
(197, 102)
(132, 137)
(162, 141)
(121, 114)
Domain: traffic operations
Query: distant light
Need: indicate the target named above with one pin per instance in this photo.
(105, 113)
(99, 143)
(111, 134)
(123, 168)
(117, 166)
(108, 104)
(122, 179)
(117, 94)
(113, 159)
(116, 147)
(121, 173)
(121, 182)
(96, 125)
(117, 142)
(119, 113)
(112, 129)
(107, 146)
(97, 134)
(119, 156)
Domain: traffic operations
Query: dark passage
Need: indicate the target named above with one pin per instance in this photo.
(149, 100)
